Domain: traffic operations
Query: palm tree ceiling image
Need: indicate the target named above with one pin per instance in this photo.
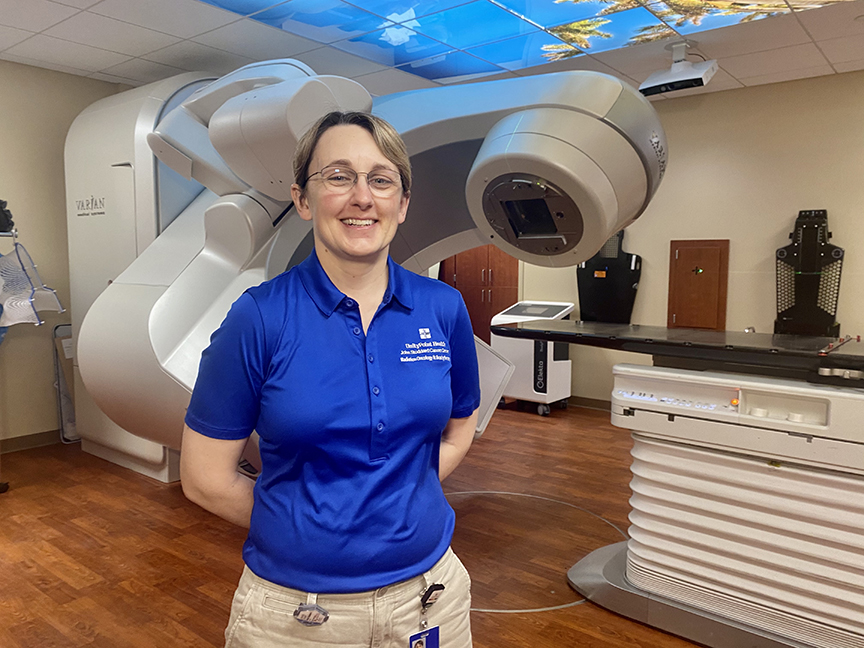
(454, 40)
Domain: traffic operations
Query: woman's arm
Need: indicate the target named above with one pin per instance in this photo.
(208, 474)
(455, 442)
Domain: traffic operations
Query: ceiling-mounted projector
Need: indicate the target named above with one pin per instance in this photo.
(683, 74)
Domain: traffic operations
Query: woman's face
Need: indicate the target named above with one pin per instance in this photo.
(358, 224)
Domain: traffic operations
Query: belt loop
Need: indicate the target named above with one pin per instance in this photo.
(311, 599)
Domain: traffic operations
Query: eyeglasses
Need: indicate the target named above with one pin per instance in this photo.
(340, 180)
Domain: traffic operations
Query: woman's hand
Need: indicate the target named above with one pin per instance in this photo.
(208, 474)
(455, 441)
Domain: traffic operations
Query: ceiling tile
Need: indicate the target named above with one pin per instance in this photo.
(709, 17)
(485, 77)
(23, 60)
(523, 52)
(788, 75)
(390, 81)
(458, 27)
(400, 10)
(395, 45)
(746, 38)
(245, 7)
(834, 21)
(10, 36)
(611, 31)
(107, 33)
(195, 57)
(327, 60)
(255, 40)
(110, 78)
(840, 50)
(550, 14)
(453, 67)
(784, 59)
(325, 21)
(143, 71)
(182, 18)
(79, 4)
(33, 15)
(849, 66)
(583, 62)
(649, 57)
(61, 52)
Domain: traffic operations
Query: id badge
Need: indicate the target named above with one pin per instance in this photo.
(427, 638)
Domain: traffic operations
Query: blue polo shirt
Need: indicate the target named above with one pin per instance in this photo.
(350, 423)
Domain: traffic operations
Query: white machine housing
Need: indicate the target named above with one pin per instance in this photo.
(118, 202)
(543, 369)
(747, 499)
(545, 167)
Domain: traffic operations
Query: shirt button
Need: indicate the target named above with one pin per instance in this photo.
(356, 330)
(376, 391)
(371, 358)
(349, 303)
(380, 427)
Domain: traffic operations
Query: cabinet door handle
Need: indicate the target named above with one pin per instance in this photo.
(490, 276)
(483, 276)
(482, 296)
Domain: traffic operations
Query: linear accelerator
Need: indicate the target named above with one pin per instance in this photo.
(547, 168)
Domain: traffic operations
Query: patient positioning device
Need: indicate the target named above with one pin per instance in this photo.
(547, 168)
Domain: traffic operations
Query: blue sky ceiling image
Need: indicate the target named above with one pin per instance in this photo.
(451, 40)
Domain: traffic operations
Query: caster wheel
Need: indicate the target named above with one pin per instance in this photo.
(543, 409)
(4, 486)
(563, 404)
(501, 402)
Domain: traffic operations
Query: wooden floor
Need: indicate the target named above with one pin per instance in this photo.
(95, 555)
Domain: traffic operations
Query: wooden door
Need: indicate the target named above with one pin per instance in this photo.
(488, 280)
(472, 281)
(503, 283)
(698, 279)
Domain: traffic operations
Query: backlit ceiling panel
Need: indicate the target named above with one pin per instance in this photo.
(454, 40)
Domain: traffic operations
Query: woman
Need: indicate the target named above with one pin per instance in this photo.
(361, 380)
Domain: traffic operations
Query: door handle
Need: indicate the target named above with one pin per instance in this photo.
(483, 276)
(490, 276)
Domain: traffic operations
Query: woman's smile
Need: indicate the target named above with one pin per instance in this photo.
(359, 223)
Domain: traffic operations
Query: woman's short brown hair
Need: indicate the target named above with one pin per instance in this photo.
(385, 136)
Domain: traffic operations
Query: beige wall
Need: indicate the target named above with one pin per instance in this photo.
(37, 107)
(742, 163)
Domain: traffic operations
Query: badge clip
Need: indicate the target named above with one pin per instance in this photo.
(431, 594)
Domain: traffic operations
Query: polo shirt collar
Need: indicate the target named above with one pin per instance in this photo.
(397, 286)
(327, 296)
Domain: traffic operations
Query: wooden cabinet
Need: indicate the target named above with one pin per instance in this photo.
(488, 280)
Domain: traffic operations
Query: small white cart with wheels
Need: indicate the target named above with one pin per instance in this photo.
(542, 372)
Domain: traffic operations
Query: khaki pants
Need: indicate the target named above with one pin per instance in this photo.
(262, 614)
